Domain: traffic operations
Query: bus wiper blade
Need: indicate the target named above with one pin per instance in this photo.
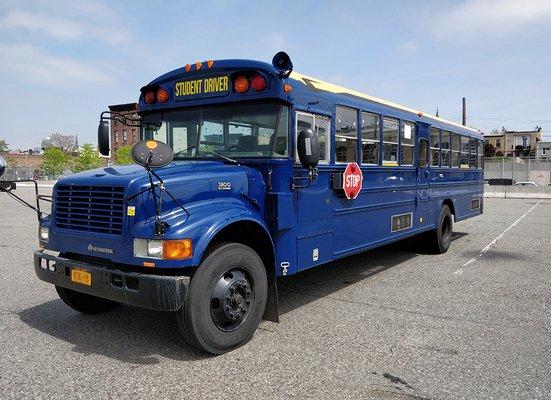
(233, 161)
(185, 150)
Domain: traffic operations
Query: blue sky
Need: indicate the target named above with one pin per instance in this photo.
(64, 62)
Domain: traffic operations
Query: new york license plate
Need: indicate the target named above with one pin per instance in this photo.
(82, 276)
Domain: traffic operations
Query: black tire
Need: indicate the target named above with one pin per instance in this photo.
(226, 299)
(439, 240)
(85, 303)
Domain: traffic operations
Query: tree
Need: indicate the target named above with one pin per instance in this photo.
(123, 155)
(65, 142)
(489, 150)
(3, 146)
(54, 161)
(88, 158)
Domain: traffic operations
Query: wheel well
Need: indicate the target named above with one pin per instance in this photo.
(250, 234)
(449, 203)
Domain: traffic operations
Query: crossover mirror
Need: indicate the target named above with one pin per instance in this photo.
(308, 149)
(2, 166)
(103, 138)
(152, 154)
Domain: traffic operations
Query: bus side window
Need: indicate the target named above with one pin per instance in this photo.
(480, 153)
(390, 141)
(423, 158)
(370, 138)
(456, 146)
(472, 158)
(435, 147)
(321, 125)
(407, 143)
(446, 148)
(346, 134)
(464, 151)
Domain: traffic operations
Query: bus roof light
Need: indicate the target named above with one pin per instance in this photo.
(150, 97)
(188, 67)
(198, 65)
(162, 95)
(241, 84)
(258, 83)
(210, 63)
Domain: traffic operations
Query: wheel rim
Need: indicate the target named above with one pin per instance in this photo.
(446, 231)
(231, 300)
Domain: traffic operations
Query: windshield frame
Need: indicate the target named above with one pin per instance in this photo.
(283, 113)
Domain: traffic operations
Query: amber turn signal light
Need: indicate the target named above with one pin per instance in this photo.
(241, 84)
(177, 249)
(162, 96)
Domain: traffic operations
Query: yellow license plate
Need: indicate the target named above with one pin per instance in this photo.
(81, 276)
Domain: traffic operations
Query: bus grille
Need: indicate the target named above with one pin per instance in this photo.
(97, 209)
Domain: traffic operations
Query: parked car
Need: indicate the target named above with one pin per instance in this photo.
(526, 184)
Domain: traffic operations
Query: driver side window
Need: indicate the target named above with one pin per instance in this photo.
(321, 125)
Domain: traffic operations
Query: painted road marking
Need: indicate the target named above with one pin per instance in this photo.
(493, 242)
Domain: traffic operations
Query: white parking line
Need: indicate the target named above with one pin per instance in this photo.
(485, 249)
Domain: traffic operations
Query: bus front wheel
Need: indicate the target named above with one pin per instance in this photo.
(226, 299)
(439, 240)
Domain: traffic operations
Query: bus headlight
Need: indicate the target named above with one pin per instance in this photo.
(163, 249)
(44, 234)
(155, 248)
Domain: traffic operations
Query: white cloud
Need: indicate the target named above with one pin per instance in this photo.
(64, 28)
(32, 65)
(487, 18)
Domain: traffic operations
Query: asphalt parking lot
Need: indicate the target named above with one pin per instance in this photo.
(474, 323)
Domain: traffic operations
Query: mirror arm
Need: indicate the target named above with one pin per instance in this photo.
(119, 117)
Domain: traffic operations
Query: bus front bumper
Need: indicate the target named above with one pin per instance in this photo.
(156, 292)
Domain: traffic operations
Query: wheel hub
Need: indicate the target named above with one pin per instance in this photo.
(231, 300)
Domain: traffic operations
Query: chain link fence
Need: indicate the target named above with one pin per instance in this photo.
(518, 169)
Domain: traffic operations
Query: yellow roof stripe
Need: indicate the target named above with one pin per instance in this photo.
(332, 88)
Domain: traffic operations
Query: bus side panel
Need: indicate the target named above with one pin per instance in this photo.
(367, 221)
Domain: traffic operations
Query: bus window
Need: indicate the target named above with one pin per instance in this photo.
(407, 143)
(320, 125)
(472, 158)
(390, 141)
(434, 147)
(370, 138)
(480, 153)
(446, 148)
(346, 135)
(465, 151)
(323, 128)
(456, 146)
(423, 158)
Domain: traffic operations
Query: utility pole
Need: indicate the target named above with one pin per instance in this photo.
(464, 119)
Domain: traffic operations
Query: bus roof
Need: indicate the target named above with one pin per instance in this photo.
(318, 84)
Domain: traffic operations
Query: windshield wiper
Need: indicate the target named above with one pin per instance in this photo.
(185, 150)
(233, 161)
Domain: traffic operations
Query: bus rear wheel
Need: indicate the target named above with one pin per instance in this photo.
(85, 303)
(226, 299)
(439, 240)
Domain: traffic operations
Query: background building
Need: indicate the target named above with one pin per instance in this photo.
(543, 150)
(121, 134)
(515, 143)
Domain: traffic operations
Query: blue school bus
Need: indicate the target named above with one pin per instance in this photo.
(249, 172)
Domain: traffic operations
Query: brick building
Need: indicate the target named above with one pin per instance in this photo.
(121, 134)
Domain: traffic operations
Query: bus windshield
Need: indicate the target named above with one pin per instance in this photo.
(252, 130)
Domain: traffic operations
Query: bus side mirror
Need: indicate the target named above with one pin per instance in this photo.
(2, 166)
(308, 149)
(103, 138)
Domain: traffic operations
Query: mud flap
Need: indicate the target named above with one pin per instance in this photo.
(271, 313)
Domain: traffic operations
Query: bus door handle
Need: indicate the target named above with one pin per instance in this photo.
(427, 174)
